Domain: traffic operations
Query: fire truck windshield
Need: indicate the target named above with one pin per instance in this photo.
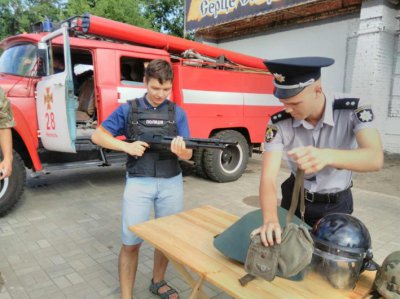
(19, 60)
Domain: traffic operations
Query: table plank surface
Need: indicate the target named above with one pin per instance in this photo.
(187, 238)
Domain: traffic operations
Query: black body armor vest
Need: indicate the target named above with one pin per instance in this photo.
(157, 161)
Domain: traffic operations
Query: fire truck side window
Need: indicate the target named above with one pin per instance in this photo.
(132, 70)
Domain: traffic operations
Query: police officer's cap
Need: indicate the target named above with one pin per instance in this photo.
(292, 75)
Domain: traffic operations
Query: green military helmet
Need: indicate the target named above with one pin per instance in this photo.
(387, 280)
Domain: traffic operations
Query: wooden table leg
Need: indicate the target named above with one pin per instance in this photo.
(196, 285)
(196, 288)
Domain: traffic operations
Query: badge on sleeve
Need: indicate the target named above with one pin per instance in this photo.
(270, 133)
(364, 114)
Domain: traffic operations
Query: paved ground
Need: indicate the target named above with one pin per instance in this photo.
(62, 240)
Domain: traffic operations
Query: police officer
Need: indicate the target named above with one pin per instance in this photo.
(154, 177)
(326, 136)
(6, 123)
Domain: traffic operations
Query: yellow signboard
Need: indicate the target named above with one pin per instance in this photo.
(206, 13)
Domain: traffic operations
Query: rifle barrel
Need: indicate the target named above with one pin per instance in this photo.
(190, 142)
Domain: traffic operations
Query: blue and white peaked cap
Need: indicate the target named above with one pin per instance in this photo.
(292, 75)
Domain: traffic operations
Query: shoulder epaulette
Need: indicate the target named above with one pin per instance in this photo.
(346, 103)
(281, 115)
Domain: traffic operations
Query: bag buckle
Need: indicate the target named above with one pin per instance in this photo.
(306, 197)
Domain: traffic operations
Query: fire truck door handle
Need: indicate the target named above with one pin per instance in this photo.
(219, 115)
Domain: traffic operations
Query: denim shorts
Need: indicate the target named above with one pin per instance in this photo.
(142, 193)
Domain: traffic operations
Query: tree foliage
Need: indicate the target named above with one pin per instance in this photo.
(167, 15)
(17, 16)
(126, 11)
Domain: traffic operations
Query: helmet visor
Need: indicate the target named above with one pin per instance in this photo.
(342, 272)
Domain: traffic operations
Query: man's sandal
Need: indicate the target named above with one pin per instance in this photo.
(154, 287)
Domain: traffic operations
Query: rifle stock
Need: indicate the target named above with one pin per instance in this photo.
(190, 142)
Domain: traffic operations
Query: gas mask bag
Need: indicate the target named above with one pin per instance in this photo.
(342, 249)
(235, 243)
(289, 258)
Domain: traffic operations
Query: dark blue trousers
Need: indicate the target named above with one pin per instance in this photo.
(316, 210)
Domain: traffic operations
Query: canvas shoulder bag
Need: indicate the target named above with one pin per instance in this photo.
(292, 255)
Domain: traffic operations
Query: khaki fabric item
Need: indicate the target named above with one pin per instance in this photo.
(82, 116)
(6, 114)
(87, 103)
(297, 246)
(234, 242)
(295, 250)
(261, 261)
(294, 253)
(387, 280)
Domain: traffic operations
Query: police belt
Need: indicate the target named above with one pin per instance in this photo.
(325, 197)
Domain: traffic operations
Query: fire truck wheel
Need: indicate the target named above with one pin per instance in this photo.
(198, 155)
(229, 164)
(11, 188)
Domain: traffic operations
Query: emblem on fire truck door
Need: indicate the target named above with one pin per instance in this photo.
(48, 98)
(49, 115)
(270, 133)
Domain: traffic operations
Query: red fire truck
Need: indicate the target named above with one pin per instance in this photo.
(63, 83)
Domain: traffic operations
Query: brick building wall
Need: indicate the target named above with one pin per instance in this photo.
(320, 38)
(366, 48)
(374, 67)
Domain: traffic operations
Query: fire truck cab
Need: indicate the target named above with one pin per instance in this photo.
(62, 84)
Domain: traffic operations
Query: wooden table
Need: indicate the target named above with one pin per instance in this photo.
(187, 240)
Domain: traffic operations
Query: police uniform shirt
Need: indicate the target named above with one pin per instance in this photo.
(335, 130)
(116, 123)
(6, 115)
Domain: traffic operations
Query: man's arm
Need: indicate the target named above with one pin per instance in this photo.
(6, 148)
(105, 139)
(367, 157)
(268, 198)
(178, 146)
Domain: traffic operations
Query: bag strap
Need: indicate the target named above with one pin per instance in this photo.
(246, 279)
(298, 191)
(133, 117)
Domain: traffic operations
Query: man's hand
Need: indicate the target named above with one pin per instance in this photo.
(309, 158)
(136, 148)
(5, 168)
(178, 146)
(270, 232)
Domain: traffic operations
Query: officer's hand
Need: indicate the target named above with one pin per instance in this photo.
(270, 232)
(5, 168)
(309, 158)
(178, 146)
(136, 148)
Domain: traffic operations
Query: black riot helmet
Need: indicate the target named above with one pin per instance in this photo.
(342, 249)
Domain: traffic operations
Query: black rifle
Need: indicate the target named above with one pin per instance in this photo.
(165, 141)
